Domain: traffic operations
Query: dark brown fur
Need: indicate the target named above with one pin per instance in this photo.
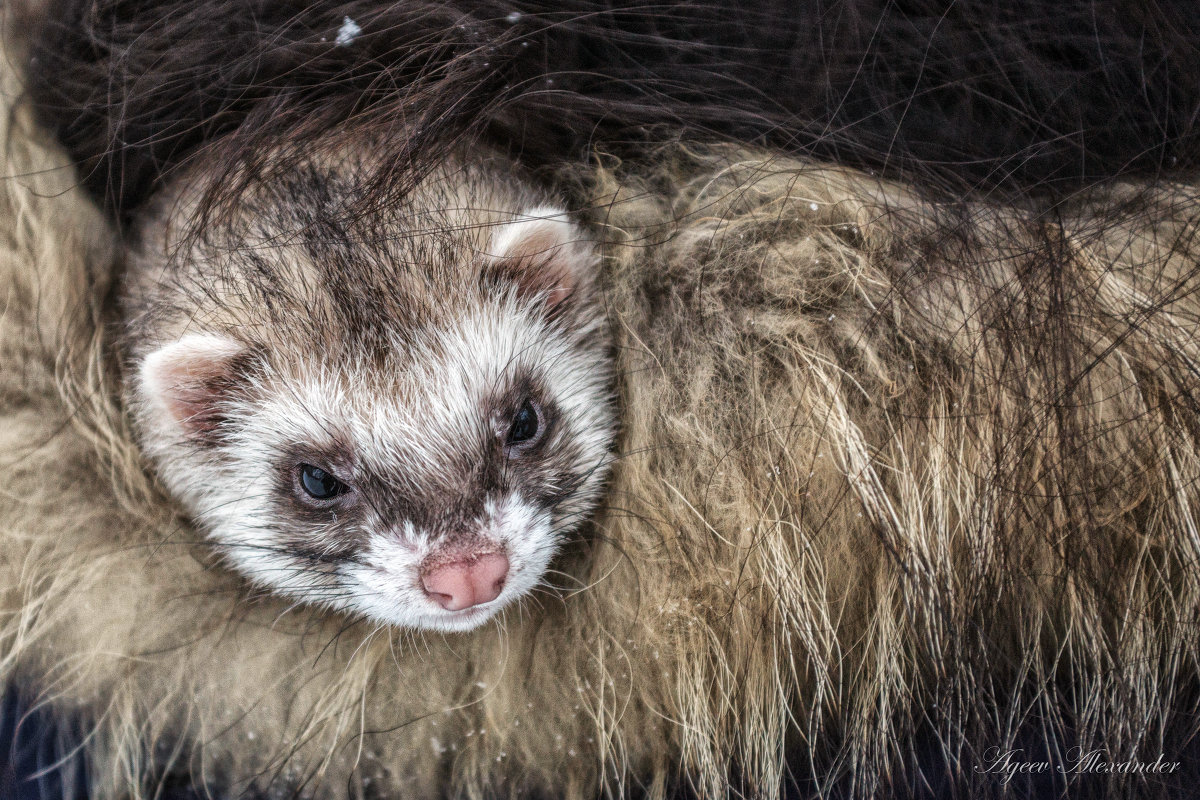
(959, 95)
(899, 481)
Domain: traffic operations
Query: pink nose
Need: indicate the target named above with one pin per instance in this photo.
(467, 583)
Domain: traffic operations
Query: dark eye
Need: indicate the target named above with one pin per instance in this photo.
(319, 484)
(526, 425)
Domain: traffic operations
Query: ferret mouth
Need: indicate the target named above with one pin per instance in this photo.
(466, 613)
(482, 609)
(463, 620)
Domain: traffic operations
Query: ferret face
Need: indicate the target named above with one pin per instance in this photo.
(401, 418)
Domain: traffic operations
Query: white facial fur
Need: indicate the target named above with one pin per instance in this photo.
(418, 438)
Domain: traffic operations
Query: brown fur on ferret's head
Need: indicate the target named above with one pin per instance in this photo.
(399, 415)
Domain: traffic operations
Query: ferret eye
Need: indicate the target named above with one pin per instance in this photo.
(319, 484)
(526, 425)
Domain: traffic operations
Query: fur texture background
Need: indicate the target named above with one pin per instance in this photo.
(958, 94)
(898, 482)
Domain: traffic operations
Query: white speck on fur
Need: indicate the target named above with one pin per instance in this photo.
(349, 31)
(512, 18)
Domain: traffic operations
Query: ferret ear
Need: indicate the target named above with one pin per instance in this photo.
(545, 254)
(184, 382)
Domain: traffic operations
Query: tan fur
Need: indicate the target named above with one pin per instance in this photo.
(850, 490)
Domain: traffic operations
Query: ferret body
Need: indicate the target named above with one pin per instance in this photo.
(899, 482)
(399, 416)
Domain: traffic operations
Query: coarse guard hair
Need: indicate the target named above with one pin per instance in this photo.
(908, 460)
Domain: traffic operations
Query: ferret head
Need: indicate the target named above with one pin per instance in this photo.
(399, 414)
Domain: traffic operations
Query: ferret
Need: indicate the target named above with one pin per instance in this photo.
(401, 415)
(898, 483)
